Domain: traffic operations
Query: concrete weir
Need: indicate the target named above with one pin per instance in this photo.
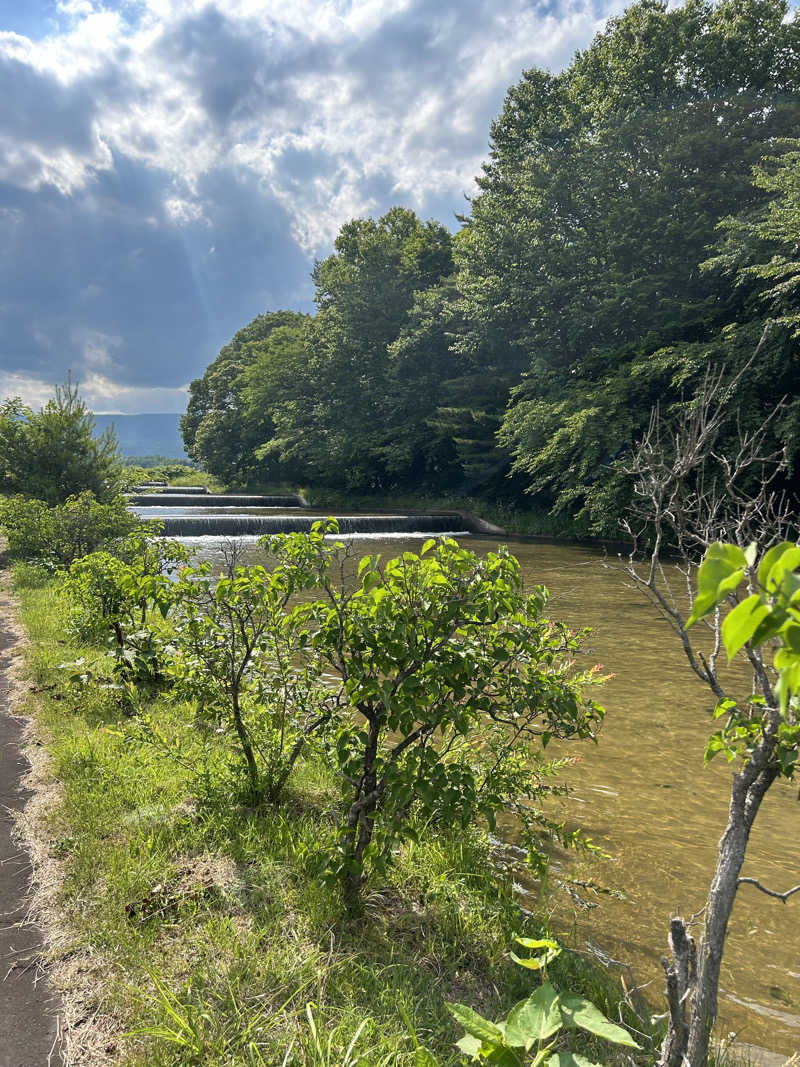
(258, 525)
(209, 500)
(159, 487)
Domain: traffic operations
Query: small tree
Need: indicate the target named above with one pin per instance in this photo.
(240, 655)
(690, 497)
(53, 454)
(451, 683)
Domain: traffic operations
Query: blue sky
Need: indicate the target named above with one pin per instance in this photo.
(171, 168)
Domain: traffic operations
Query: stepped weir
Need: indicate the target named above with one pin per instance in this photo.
(162, 487)
(205, 500)
(258, 525)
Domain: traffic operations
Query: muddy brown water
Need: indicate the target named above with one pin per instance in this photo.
(643, 795)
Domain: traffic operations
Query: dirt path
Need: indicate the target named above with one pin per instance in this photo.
(28, 1008)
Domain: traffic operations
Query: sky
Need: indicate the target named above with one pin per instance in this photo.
(171, 168)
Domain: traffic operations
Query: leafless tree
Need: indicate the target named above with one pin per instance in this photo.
(690, 490)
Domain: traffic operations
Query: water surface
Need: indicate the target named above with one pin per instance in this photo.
(643, 795)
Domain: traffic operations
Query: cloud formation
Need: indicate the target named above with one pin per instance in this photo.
(170, 168)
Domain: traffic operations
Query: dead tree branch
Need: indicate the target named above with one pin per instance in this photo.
(770, 892)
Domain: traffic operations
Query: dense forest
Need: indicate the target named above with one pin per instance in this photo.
(636, 223)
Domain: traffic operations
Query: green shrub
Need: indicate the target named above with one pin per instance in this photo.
(66, 531)
(452, 682)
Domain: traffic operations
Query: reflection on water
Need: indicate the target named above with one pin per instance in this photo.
(643, 795)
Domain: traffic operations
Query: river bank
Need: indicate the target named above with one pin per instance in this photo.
(202, 923)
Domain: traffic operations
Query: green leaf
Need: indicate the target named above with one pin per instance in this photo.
(722, 569)
(475, 1024)
(529, 942)
(741, 623)
(534, 1019)
(785, 563)
(534, 963)
(723, 707)
(570, 1059)
(504, 1057)
(579, 1012)
(769, 560)
(469, 1045)
(791, 637)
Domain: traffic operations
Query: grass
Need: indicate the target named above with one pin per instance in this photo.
(214, 942)
(198, 478)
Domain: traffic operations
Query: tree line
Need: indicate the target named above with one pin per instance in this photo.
(636, 223)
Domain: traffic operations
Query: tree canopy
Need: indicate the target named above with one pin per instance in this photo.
(636, 222)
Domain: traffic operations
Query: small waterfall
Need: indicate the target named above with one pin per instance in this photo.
(238, 526)
(196, 499)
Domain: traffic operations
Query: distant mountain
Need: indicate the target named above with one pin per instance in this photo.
(150, 434)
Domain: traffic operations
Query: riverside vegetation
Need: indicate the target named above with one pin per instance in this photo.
(329, 730)
(253, 764)
(223, 872)
(636, 221)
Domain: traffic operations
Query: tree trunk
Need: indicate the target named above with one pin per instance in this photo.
(244, 741)
(360, 819)
(687, 1044)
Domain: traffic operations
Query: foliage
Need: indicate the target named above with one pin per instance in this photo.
(602, 193)
(449, 677)
(201, 923)
(247, 665)
(364, 293)
(216, 429)
(64, 532)
(115, 589)
(53, 454)
(770, 615)
(110, 598)
(535, 1027)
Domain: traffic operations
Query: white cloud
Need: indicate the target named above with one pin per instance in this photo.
(99, 393)
(391, 92)
(170, 167)
(31, 391)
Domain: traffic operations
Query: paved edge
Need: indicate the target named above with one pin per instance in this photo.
(30, 1012)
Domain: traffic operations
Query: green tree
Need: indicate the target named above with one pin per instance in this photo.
(580, 258)
(279, 397)
(694, 498)
(220, 432)
(364, 293)
(451, 683)
(53, 454)
(245, 660)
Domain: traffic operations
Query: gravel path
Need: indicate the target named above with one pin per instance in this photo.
(28, 1008)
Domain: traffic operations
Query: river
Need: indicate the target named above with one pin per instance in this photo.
(643, 795)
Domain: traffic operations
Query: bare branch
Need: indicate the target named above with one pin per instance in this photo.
(770, 892)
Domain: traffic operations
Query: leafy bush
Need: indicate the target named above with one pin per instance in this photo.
(451, 683)
(66, 531)
(110, 593)
(241, 657)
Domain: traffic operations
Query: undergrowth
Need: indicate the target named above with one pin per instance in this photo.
(219, 944)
